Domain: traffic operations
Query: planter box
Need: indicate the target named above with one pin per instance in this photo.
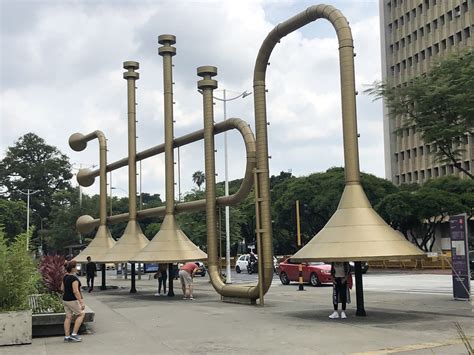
(50, 324)
(15, 328)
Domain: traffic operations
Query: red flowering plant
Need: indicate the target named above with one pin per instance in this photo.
(51, 268)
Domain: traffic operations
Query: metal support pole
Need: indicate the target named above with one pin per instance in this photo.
(298, 242)
(133, 289)
(170, 280)
(359, 290)
(102, 268)
(227, 208)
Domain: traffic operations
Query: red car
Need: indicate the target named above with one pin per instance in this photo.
(315, 273)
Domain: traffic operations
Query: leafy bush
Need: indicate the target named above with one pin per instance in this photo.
(51, 268)
(48, 303)
(18, 274)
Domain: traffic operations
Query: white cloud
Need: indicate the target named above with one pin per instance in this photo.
(62, 73)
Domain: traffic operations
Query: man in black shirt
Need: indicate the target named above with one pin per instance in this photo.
(91, 270)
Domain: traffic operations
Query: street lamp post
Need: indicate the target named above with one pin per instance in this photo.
(28, 193)
(226, 184)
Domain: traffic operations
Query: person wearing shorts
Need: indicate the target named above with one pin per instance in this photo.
(186, 274)
(73, 302)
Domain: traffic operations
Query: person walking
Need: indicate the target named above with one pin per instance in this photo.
(91, 272)
(186, 275)
(341, 280)
(73, 302)
(162, 277)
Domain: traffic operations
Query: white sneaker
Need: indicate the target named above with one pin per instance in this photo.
(343, 315)
(157, 294)
(334, 315)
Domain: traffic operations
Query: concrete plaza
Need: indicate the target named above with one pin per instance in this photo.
(291, 321)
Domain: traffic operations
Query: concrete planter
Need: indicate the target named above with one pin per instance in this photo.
(15, 328)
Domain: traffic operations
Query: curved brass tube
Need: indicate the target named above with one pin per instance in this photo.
(78, 142)
(86, 223)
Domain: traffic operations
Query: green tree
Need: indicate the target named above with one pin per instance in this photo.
(34, 165)
(199, 178)
(12, 217)
(438, 104)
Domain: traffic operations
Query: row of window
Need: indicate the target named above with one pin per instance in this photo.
(421, 150)
(429, 173)
(456, 12)
(459, 37)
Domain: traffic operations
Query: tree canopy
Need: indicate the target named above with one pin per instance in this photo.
(32, 164)
(438, 104)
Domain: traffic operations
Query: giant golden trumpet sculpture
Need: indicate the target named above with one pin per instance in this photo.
(355, 232)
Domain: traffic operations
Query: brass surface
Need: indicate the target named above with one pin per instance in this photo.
(356, 233)
(170, 244)
(87, 223)
(129, 244)
(98, 247)
(133, 240)
(103, 240)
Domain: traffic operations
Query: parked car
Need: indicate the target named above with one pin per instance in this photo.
(241, 263)
(202, 269)
(471, 263)
(365, 266)
(243, 260)
(314, 273)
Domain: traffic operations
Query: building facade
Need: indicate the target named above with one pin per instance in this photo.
(414, 35)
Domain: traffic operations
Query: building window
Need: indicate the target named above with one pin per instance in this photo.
(414, 152)
(410, 61)
(458, 37)
(420, 9)
(467, 166)
(422, 175)
(421, 150)
(429, 51)
(450, 169)
(422, 31)
(407, 16)
(442, 20)
(392, 70)
(436, 48)
(409, 38)
(396, 157)
(408, 154)
(443, 44)
(427, 149)
(422, 55)
(449, 15)
(451, 41)
(409, 177)
(427, 4)
(415, 175)
(402, 156)
(402, 41)
(413, 13)
(403, 178)
(398, 67)
(467, 33)
(457, 11)
(415, 35)
(395, 24)
(464, 6)
(428, 28)
(428, 173)
(404, 64)
(436, 172)
(402, 22)
(443, 170)
(435, 24)
(390, 28)
(416, 58)
(397, 179)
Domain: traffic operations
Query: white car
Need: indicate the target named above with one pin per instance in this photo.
(241, 263)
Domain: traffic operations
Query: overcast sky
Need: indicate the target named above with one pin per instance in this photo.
(61, 73)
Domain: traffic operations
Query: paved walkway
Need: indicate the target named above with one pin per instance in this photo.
(291, 322)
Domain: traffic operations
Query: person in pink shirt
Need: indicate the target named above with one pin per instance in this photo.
(186, 275)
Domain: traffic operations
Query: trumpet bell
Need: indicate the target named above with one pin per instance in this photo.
(132, 241)
(98, 247)
(170, 245)
(356, 232)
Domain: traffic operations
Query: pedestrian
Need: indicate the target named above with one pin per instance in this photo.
(91, 273)
(162, 276)
(341, 282)
(73, 302)
(186, 275)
